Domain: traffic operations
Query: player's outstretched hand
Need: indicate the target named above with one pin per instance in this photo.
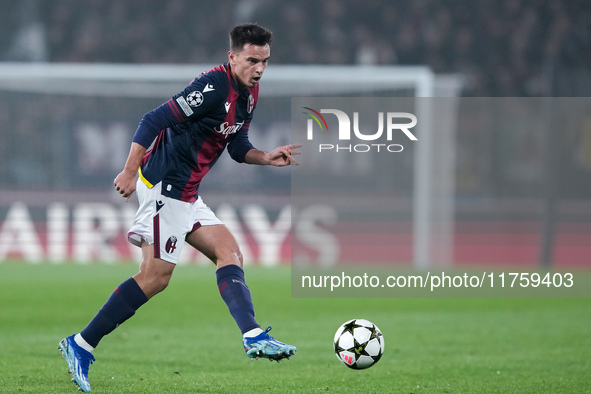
(283, 155)
(125, 183)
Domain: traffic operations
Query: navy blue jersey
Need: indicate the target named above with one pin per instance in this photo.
(191, 130)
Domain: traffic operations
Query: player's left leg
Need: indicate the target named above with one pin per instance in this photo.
(219, 245)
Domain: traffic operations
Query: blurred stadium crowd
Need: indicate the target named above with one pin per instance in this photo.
(502, 47)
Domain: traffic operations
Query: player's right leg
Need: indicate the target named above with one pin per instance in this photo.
(152, 278)
(151, 228)
(77, 349)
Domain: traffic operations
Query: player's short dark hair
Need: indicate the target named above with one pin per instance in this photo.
(249, 33)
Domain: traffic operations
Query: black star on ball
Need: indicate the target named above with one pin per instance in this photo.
(349, 327)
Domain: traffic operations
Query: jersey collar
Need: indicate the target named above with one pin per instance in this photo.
(232, 81)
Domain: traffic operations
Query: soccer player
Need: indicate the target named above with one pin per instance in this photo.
(174, 146)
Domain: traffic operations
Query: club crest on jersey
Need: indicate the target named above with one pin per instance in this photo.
(226, 128)
(171, 244)
(250, 105)
(195, 98)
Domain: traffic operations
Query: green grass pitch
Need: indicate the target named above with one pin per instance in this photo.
(184, 340)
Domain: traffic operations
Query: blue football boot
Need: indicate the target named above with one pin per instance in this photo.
(265, 346)
(78, 360)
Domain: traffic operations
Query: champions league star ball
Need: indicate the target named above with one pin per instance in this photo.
(358, 344)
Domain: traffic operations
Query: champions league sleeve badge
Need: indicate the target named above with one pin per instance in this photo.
(195, 98)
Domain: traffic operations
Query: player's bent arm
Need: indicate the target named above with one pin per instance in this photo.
(255, 156)
(150, 126)
(134, 159)
(281, 156)
(125, 181)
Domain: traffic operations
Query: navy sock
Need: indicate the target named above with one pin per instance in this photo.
(120, 306)
(236, 295)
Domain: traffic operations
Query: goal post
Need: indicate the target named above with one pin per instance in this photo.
(433, 186)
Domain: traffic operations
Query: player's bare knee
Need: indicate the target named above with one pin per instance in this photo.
(161, 283)
(239, 258)
(153, 277)
(153, 284)
(228, 257)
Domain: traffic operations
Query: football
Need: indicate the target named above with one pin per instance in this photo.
(358, 344)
